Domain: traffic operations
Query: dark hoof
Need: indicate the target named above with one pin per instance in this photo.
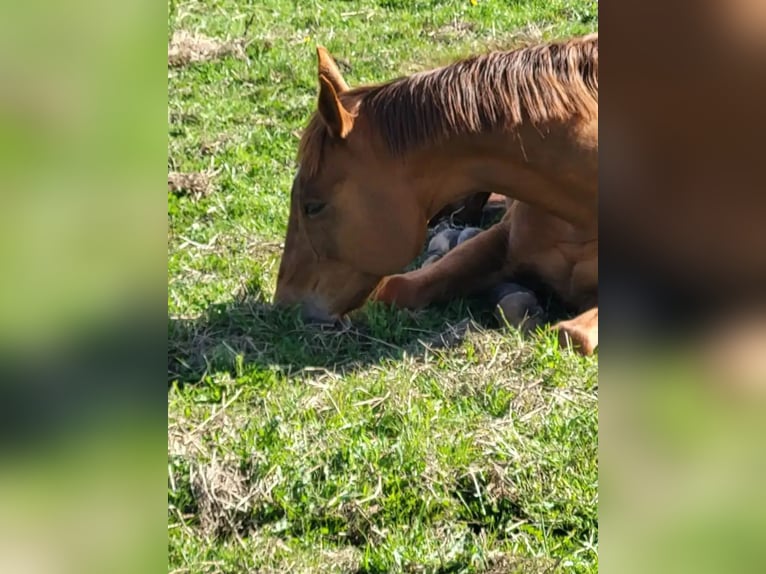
(505, 289)
(520, 309)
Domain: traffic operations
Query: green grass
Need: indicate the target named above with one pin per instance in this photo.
(407, 443)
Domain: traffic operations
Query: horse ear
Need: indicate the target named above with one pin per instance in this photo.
(337, 118)
(329, 69)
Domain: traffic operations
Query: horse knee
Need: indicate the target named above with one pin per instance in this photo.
(397, 290)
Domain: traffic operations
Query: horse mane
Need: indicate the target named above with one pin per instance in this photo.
(490, 92)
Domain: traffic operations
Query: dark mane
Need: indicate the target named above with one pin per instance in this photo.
(495, 91)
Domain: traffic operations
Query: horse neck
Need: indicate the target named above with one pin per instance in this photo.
(550, 173)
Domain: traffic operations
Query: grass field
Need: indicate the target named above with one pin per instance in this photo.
(408, 443)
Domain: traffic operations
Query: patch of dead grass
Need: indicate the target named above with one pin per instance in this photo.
(455, 30)
(224, 497)
(503, 563)
(186, 48)
(190, 184)
(347, 559)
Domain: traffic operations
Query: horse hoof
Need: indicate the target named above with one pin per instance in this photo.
(504, 289)
(521, 310)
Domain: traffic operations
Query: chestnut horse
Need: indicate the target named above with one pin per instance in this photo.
(376, 163)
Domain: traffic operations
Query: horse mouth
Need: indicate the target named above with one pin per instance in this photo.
(314, 315)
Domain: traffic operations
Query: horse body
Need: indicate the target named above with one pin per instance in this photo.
(378, 162)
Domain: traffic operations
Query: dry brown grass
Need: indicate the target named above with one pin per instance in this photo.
(187, 48)
(502, 563)
(224, 498)
(194, 185)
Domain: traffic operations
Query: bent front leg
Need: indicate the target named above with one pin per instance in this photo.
(472, 267)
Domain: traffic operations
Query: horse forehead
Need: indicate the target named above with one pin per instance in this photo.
(328, 181)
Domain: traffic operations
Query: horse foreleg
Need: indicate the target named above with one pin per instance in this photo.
(472, 267)
(581, 332)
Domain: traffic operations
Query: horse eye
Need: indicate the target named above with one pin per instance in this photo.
(313, 208)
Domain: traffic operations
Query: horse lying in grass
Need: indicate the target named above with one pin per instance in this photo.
(376, 163)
